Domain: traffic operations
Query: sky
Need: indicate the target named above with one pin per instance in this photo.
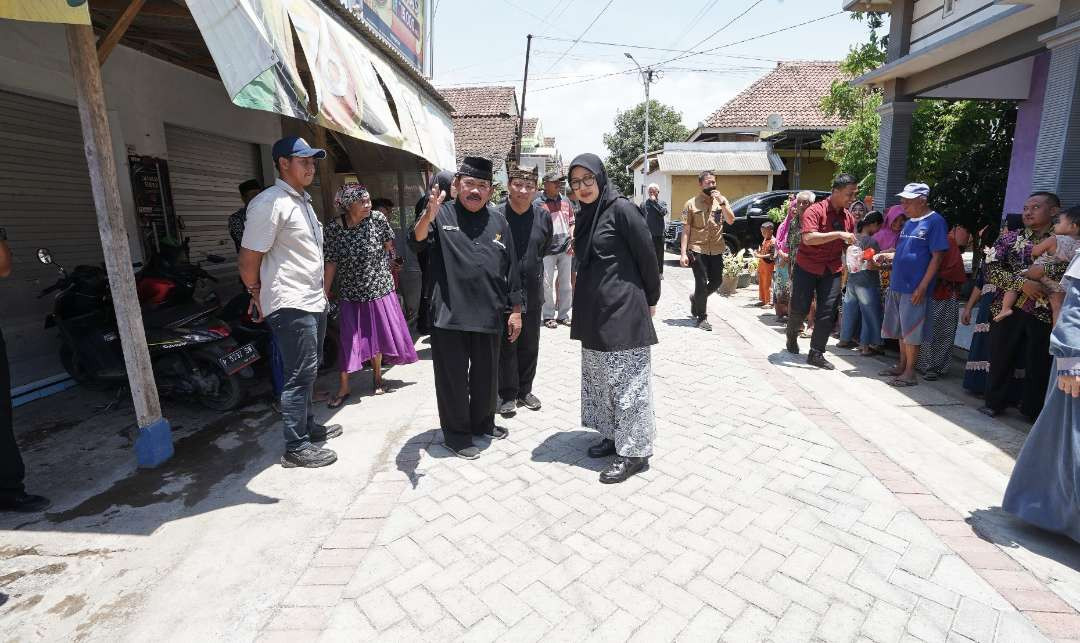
(483, 43)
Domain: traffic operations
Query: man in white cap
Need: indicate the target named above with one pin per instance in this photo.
(915, 262)
(281, 264)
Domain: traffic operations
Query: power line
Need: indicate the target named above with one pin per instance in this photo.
(647, 48)
(700, 14)
(707, 51)
(582, 35)
(728, 24)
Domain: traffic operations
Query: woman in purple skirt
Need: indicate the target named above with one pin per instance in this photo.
(358, 246)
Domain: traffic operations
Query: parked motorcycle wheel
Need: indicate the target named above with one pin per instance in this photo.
(229, 390)
(73, 366)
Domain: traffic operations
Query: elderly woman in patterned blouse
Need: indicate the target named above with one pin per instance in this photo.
(358, 247)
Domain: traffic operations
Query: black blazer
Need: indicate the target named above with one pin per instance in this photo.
(618, 283)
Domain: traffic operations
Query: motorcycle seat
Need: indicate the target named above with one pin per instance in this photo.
(177, 316)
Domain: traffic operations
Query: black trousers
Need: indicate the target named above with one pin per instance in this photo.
(804, 287)
(1020, 339)
(708, 275)
(12, 469)
(658, 242)
(517, 361)
(466, 378)
(427, 285)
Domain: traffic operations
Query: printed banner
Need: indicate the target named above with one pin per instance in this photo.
(72, 12)
(400, 22)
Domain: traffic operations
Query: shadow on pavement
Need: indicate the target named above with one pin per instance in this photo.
(430, 442)
(569, 447)
(1001, 528)
(683, 322)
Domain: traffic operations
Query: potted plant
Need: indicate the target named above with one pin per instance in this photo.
(748, 264)
(732, 268)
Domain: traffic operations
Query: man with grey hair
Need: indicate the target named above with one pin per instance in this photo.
(655, 212)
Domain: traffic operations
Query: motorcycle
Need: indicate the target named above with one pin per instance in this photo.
(192, 353)
(246, 329)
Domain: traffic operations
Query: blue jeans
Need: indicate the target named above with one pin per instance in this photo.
(862, 308)
(299, 336)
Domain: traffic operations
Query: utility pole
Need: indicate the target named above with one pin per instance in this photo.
(648, 75)
(524, 88)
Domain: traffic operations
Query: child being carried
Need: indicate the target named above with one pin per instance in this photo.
(1058, 249)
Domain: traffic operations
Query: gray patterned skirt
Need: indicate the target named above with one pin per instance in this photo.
(617, 398)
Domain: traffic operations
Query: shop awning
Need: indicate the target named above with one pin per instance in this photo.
(251, 42)
(72, 12)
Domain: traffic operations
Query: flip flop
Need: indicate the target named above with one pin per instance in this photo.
(551, 323)
(338, 401)
(899, 383)
(889, 373)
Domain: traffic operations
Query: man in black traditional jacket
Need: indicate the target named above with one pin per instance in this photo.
(476, 280)
(531, 229)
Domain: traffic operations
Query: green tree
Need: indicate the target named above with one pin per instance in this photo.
(626, 142)
(961, 148)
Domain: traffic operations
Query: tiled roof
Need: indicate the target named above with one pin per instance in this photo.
(529, 129)
(487, 136)
(481, 101)
(793, 90)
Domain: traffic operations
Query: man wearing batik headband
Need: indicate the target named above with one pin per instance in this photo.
(531, 229)
(476, 277)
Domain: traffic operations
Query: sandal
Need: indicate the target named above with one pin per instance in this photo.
(889, 372)
(338, 401)
(899, 383)
(551, 323)
(931, 377)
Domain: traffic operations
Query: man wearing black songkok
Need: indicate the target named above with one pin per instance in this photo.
(476, 280)
(531, 228)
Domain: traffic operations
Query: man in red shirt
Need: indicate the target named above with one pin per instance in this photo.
(827, 229)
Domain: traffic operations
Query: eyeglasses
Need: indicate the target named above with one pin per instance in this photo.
(588, 182)
(470, 184)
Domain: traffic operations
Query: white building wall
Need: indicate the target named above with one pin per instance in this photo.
(930, 24)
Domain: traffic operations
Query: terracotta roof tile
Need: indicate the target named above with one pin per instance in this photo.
(794, 90)
(529, 128)
(481, 101)
(488, 136)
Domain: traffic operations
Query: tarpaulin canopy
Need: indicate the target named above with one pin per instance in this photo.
(72, 12)
(251, 42)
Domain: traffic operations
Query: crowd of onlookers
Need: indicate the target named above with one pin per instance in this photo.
(897, 280)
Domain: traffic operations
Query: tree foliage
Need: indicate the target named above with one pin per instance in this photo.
(961, 148)
(626, 142)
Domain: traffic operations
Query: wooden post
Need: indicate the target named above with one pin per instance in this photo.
(524, 88)
(98, 146)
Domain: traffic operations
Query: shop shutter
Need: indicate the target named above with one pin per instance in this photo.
(45, 201)
(204, 172)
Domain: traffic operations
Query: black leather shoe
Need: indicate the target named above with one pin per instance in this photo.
(507, 408)
(817, 358)
(602, 449)
(530, 402)
(466, 453)
(704, 324)
(496, 433)
(622, 468)
(24, 503)
(792, 345)
(323, 433)
(989, 412)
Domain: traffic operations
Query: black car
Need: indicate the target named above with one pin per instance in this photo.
(750, 212)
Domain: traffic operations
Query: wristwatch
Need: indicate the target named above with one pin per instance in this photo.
(3, 234)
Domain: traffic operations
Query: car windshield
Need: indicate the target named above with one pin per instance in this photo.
(745, 201)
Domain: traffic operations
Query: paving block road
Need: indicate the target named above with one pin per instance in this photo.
(767, 514)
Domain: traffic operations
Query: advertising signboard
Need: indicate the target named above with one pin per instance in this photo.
(401, 22)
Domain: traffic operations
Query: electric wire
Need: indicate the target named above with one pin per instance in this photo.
(582, 35)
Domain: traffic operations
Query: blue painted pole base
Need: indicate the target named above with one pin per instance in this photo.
(154, 445)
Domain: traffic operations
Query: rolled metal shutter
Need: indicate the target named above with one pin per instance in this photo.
(204, 172)
(45, 201)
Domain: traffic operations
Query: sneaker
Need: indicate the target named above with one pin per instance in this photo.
(466, 453)
(564, 322)
(530, 402)
(704, 324)
(310, 457)
(24, 503)
(496, 433)
(507, 408)
(322, 433)
(817, 358)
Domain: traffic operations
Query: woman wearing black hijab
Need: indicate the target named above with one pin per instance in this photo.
(618, 285)
(445, 181)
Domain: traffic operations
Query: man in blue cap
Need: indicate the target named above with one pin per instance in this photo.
(281, 264)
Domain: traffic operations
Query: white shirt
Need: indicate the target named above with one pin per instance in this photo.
(282, 224)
